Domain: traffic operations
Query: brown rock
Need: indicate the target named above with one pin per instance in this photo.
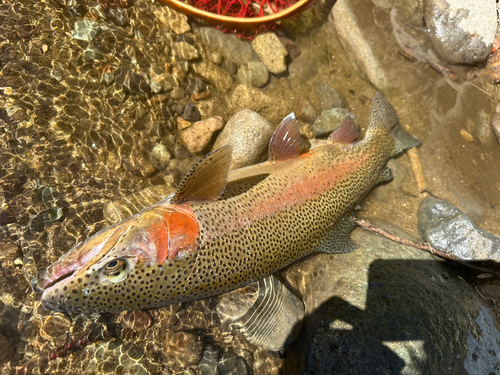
(175, 21)
(56, 328)
(182, 349)
(8, 251)
(198, 136)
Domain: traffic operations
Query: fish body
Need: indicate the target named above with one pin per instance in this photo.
(222, 230)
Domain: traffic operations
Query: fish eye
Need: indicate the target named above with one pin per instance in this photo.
(115, 270)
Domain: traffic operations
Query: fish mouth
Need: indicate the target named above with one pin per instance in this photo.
(45, 282)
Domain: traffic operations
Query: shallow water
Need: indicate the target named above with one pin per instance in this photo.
(71, 141)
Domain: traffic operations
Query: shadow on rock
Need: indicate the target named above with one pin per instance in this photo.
(414, 322)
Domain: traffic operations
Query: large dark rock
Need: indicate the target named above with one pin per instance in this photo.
(390, 309)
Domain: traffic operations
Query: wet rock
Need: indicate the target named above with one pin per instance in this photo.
(214, 74)
(231, 364)
(230, 66)
(389, 309)
(136, 83)
(305, 111)
(8, 251)
(447, 228)
(175, 21)
(249, 134)
(86, 30)
(119, 17)
(7, 352)
(56, 328)
(177, 93)
(182, 349)
(461, 31)
(247, 97)
(186, 51)
(267, 314)
(229, 45)
(254, 73)
(191, 113)
(271, 52)
(208, 363)
(181, 123)
(215, 57)
(160, 156)
(162, 82)
(198, 136)
(195, 85)
(108, 78)
(328, 121)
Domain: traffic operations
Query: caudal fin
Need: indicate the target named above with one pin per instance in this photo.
(384, 120)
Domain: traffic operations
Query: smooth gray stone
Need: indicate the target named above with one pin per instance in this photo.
(448, 229)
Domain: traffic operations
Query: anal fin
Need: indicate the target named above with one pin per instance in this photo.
(338, 240)
(385, 175)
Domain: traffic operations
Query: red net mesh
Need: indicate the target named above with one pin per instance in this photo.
(244, 9)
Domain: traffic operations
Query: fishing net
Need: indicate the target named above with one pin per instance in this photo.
(244, 9)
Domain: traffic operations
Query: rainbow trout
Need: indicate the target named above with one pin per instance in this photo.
(222, 230)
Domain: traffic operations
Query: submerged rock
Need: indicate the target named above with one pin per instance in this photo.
(328, 121)
(271, 52)
(325, 97)
(86, 30)
(461, 31)
(448, 229)
(208, 363)
(182, 349)
(267, 313)
(197, 136)
(191, 113)
(7, 352)
(229, 45)
(254, 73)
(231, 364)
(249, 134)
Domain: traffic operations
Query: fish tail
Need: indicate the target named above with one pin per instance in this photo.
(384, 122)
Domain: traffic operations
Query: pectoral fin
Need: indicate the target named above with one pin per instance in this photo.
(207, 179)
(339, 239)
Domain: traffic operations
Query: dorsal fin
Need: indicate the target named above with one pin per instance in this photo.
(346, 133)
(207, 179)
(286, 142)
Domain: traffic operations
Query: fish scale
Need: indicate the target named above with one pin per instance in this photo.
(222, 230)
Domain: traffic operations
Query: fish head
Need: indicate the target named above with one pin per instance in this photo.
(141, 262)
